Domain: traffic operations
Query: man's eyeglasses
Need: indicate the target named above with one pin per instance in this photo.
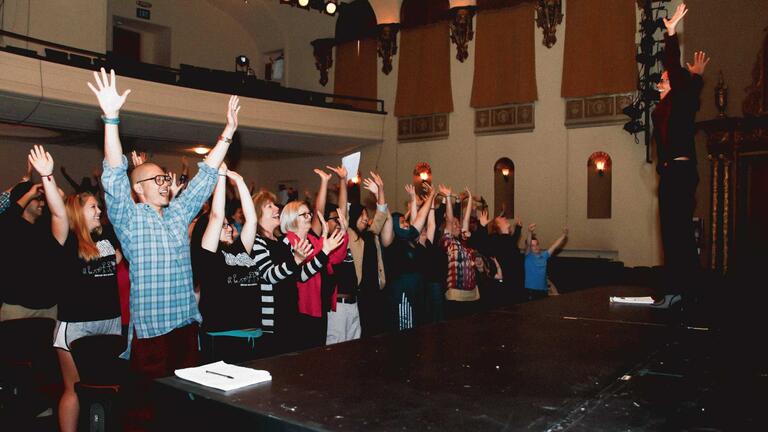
(305, 215)
(159, 179)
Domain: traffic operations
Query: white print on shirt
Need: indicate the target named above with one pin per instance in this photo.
(101, 267)
(242, 259)
(105, 248)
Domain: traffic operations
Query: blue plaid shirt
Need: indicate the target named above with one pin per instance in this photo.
(5, 201)
(157, 248)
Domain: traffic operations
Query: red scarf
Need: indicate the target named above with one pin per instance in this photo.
(310, 300)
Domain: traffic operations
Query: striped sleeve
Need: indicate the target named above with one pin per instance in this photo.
(313, 266)
(269, 271)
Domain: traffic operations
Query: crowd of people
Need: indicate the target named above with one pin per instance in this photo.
(218, 272)
(203, 269)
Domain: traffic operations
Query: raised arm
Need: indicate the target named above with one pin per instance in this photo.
(341, 172)
(423, 212)
(382, 226)
(413, 206)
(216, 155)
(559, 242)
(248, 235)
(110, 102)
(446, 192)
(42, 161)
(322, 194)
(531, 229)
(431, 223)
(212, 232)
(467, 213)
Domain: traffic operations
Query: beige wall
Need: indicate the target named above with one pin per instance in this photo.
(76, 23)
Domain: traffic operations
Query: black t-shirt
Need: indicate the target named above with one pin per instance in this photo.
(229, 289)
(345, 275)
(89, 291)
(30, 257)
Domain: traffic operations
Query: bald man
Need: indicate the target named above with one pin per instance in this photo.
(153, 233)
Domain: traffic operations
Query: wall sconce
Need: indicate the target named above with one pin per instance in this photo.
(549, 13)
(461, 29)
(424, 176)
(323, 51)
(387, 45)
(505, 173)
(600, 165)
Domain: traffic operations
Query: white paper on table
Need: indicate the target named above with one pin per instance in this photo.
(633, 300)
(352, 163)
(224, 376)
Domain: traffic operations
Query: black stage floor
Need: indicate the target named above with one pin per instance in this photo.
(567, 363)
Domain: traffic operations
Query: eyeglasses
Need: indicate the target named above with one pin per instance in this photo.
(333, 218)
(305, 215)
(159, 179)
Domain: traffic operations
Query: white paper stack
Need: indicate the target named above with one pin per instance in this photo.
(633, 300)
(224, 376)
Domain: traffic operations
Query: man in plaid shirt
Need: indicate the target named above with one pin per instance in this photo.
(153, 235)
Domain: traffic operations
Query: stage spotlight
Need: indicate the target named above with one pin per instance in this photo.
(634, 126)
(649, 60)
(242, 61)
(330, 7)
(303, 3)
(633, 111)
(650, 26)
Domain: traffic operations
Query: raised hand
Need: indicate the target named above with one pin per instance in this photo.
(343, 224)
(483, 216)
(232, 111)
(565, 231)
(377, 178)
(340, 171)
(532, 227)
(700, 61)
(41, 160)
(175, 185)
(323, 224)
(235, 177)
(105, 90)
(429, 191)
(331, 242)
(671, 23)
(324, 176)
(411, 191)
(444, 190)
(28, 174)
(302, 250)
(138, 158)
(370, 185)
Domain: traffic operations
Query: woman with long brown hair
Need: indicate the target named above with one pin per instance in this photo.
(89, 304)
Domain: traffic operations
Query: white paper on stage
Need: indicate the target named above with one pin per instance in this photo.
(351, 163)
(632, 300)
(224, 376)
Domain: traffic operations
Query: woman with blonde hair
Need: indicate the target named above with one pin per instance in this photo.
(90, 305)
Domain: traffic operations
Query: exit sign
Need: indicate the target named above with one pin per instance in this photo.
(142, 13)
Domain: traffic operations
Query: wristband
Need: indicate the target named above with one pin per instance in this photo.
(48, 176)
(225, 139)
(110, 121)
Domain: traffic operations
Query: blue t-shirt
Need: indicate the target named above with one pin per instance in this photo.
(536, 270)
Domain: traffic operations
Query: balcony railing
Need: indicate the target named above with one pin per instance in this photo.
(189, 76)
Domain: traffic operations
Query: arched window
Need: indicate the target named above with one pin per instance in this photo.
(599, 186)
(504, 187)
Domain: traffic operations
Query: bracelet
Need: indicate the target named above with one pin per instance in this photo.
(225, 139)
(110, 121)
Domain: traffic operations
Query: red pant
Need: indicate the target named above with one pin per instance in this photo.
(160, 356)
